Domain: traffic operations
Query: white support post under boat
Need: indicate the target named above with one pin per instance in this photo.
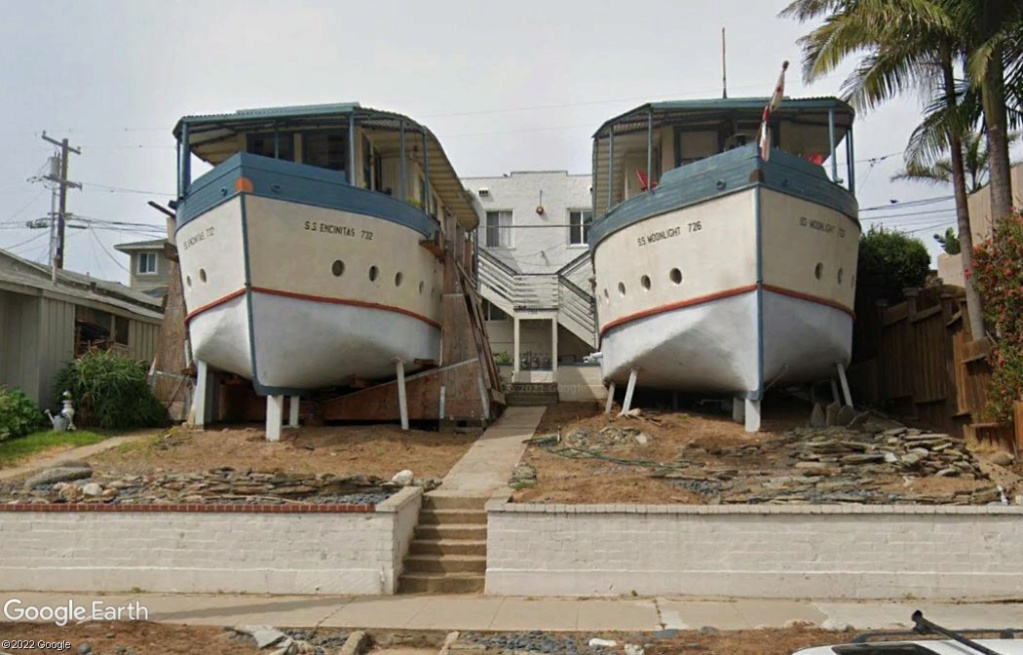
(738, 409)
(834, 390)
(402, 401)
(610, 398)
(752, 411)
(627, 403)
(845, 384)
(293, 405)
(199, 405)
(274, 417)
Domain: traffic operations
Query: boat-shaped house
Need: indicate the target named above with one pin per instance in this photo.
(317, 251)
(719, 267)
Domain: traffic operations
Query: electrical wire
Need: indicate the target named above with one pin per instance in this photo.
(27, 241)
(108, 254)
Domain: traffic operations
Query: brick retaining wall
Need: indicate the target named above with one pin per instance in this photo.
(279, 549)
(825, 552)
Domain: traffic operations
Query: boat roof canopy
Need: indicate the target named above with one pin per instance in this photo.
(693, 112)
(213, 138)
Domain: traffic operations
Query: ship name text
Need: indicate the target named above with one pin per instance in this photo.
(197, 237)
(670, 233)
(340, 230)
(821, 226)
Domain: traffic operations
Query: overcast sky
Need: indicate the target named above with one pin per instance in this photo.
(505, 86)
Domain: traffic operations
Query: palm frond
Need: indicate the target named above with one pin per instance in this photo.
(939, 173)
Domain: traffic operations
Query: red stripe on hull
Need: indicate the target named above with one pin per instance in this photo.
(724, 294)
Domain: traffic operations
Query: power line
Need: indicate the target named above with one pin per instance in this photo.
(104, 249)
(117, 189)
(18, 245)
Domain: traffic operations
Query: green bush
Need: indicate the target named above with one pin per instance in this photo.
(889, 262)
(110, 392)
(18, 414)
(998, 275)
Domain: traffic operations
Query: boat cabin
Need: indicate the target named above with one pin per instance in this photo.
(383, 152)
(633, 150)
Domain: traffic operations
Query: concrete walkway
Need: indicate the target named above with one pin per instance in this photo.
(81, 452)
(518, 614)
(488, 464)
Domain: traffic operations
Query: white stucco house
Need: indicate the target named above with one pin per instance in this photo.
(535, 278)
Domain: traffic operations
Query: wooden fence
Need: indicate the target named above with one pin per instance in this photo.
(918, 359)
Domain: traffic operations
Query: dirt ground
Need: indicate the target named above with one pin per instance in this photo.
(374, 450)
(708, 441)
(145, 638)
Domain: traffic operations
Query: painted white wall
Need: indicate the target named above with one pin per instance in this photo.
(539, 242)
(851, 552)
(208, 552)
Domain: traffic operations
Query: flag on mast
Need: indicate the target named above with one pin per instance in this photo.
(772, 104)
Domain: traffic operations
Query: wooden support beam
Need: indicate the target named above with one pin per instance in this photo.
(435, 246)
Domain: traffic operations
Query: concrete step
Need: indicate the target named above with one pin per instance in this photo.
(446, 547)
(470, 532)
(446, 564)
(431, 501)
(452, 516)
(460, 583)
(531, 399)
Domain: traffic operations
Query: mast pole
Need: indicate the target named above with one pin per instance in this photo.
(724, 67)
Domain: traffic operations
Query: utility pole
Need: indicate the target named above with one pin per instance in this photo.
(61, 179)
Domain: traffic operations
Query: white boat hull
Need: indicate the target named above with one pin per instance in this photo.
(267, 299)
(700, 298)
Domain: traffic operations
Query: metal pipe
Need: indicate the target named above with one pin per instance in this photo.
(186, 162)
(852, 159)
(181, 191)
(649, 149)
(350, 177)
(831, 142)
(404, 177)
(277, 142)
(610, 165)
(426, 174)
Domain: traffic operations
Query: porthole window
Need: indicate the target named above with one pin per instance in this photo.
(202, 274)
(420, 288)
(676, 276)
(840, 274)
(374, 272)
(337, 268)
(645, 281)
(398, 277)
(621, 289)
(188, 280)
(818, 270)
(606, 296)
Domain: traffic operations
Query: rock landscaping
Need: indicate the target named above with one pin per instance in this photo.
(77, 482)
(668, 457)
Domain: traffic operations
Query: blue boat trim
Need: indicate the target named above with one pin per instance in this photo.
(298, 183)
(724, 174)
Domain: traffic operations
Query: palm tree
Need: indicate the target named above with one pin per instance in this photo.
(993, 35)
(921, 168)
(909, 45)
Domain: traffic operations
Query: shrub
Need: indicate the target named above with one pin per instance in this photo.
(110, 392)
(998, 275)
(890, 261)
(18, 414)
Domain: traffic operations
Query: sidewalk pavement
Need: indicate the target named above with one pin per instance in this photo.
(491, 613)
(81, 452)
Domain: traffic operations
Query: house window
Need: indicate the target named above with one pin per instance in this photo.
(579, 227)
(269, 144)
(147, 263)
(499, 229)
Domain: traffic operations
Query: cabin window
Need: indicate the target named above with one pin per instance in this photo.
(423, 197)
(147, 263)
(499, 229)
(435, 207)
(279, 145)
(579, 227)
(325, 150)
